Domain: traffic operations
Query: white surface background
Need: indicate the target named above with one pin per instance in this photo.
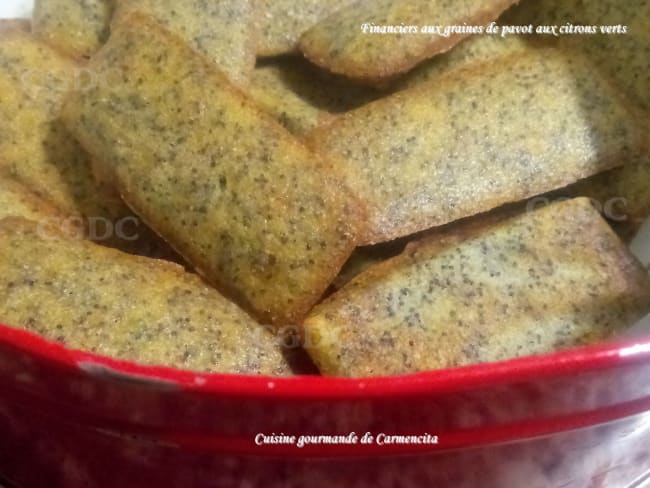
(15, 8)
(640, 246)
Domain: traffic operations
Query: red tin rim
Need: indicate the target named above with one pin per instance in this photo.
(450, 440)
(559, 363)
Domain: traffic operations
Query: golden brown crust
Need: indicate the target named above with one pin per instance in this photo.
(442, 151)
(301, 97)
(621, 55)
(280, 23)
(37, 151)
(533, 283)
(17, 201)
(473, 51)
(243, 201)
(622, 195)
(339, 45)
(101, 300)
(35, 148)
(75, 28)
(222, 31)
